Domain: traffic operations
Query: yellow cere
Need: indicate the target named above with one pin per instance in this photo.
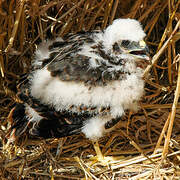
(142, 43)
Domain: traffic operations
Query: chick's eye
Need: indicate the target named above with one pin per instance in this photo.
(125, 43)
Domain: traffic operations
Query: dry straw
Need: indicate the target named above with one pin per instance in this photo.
(145, 145)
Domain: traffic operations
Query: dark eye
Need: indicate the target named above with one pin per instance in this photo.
(125, 43)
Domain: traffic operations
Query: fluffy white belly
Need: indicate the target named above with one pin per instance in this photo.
(119, 94)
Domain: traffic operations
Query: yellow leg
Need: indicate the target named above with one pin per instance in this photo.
(104, 160)
(100, 157)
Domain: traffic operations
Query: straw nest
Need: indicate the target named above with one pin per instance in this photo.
(145, 145)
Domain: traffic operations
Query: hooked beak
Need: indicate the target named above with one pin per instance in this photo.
(140, 50)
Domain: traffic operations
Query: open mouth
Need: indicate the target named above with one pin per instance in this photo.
(140, 52)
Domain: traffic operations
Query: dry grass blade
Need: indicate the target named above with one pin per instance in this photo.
(19, 10)
(114, 11)
(172, 117)
(158, 54)
(162, 134)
